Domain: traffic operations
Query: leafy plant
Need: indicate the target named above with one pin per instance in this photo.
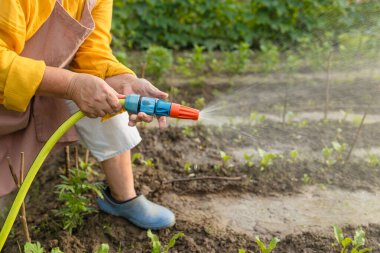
(327, 153)
(236, 61)
(197, 59)
(200, 103)
(357, 243)
(187, 131)
(241, 251)
(257, 118)
(249, 160)
(103, 248)
(187, 167)
(33, 248)
(266, 158)
(339, 149)
(156, 244)
(149, 163)
(269, 57)
(334, 154)
(159, 60)
(267, 249)
(136, 157)
(224, 156)
(73, 193)
(293, 154)
(306, 179)
(373, 160)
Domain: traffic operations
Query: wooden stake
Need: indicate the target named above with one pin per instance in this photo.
(23, 209)
(87, 156)
(19, 182)
(76, 156)
(68, 164)
(359, 129)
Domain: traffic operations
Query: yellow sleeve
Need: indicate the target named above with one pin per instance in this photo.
(95, 54)
(19, 76)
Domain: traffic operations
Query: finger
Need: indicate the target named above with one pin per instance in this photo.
(161, 122)
(156, 93)
(133, 118)
(131, 123)
(144, 117)
(121, 96)
(114, 103)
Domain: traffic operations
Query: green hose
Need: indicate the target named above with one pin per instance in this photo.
(12, 215)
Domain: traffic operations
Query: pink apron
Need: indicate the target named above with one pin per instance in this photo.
(56, 43)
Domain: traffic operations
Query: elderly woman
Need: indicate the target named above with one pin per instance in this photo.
(55, 57)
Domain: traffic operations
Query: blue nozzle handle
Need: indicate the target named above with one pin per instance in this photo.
(152, 106)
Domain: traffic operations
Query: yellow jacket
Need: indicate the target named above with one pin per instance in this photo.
(20, 19)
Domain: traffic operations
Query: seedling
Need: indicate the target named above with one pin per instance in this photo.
(249, 160)
(187, 131)
(73, 193)
(266, 159)
(197, 59)
(334, 154)
(156, 244)
(236, 61)
(327, 153)
(200, 103)
(294, 155)
(136, 157)
(257, 118)
(267, 249)
(224, 157)
(373, 160)
(241, 251)
(149, 163)
(339, 149)
(37, 248)
(306, 179)
(103, 248)
(356, 243)
(187, 167)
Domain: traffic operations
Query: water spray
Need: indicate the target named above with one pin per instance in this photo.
(133, 104)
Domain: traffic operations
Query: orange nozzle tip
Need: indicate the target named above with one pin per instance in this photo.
(183, 112)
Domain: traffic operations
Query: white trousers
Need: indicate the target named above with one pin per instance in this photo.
(108, 139)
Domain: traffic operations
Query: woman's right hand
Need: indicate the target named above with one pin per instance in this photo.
(94, 97)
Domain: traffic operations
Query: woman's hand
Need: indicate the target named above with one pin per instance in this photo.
(129, 84)
(94, 97)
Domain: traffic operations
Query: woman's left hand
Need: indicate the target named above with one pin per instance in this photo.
(129, 84)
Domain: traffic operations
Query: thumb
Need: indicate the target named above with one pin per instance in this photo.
(159, 94)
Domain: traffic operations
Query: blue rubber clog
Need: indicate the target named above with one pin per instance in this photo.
(140, 211)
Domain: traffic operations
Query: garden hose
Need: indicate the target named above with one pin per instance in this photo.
(133, 104)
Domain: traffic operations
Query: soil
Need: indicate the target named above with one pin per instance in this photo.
(297, 200)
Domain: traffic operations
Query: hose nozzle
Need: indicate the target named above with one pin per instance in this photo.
(152, 106)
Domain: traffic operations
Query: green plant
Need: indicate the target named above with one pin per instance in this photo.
(33, 248)
(257, 118)
(339, 149)
(373, 160)
(149, 163)
(236, 61)
(187, 131)
(156, 244)
(136, 157)
(197, 59)
(306, 179)
(224, 156)
(187, 167)
(266, 158)
(267, 249)
(103, 248)
(57, 250)
(200, 103)
(334, 154)
(356, 243)
(327, 153)
(73, 192)
(159, 60)
(249, 160)
(241, 251)
(269, 57)
(293, 155)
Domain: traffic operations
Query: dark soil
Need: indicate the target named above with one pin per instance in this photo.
(172, 148)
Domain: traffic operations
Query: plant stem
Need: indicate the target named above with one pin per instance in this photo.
(359, 128)
(68, 164)
(327, 89)
(202, 178)
(13, 172)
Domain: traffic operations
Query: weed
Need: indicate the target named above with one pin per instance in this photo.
(327, 153)
(257, 118)
(136, 157)
(334, 154)
(272, 245)
(339, 149)
(356, 243)
(225, 157)
(269, 57)
(73, 193)
(159, 60)
(156, 244)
